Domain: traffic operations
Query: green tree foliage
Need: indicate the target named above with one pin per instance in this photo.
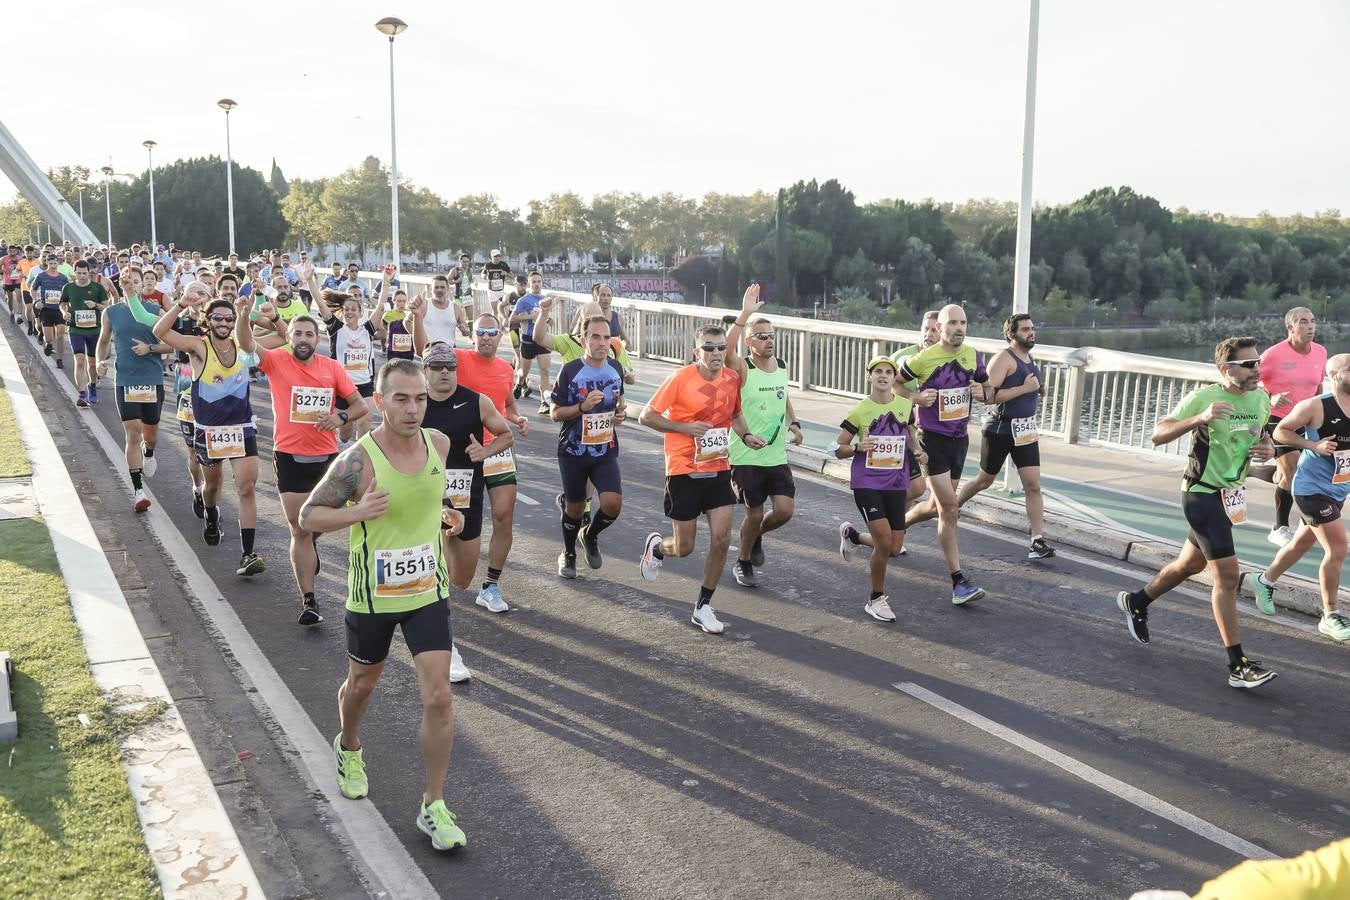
(278, 181)
(191, 208)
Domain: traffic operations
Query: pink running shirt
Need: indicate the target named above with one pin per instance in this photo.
(1300, 374)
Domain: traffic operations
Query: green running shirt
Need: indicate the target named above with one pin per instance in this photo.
(764, 405)
(1218, 458)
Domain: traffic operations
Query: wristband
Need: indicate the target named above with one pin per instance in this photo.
(795, 424)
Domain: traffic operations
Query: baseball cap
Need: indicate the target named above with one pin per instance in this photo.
(496, 253)
(878, 360)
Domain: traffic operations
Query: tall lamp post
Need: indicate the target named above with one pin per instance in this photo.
(150, 153)
(64, 203)
(227, 104)
(107, 200)
(391, 26)
(81, 186)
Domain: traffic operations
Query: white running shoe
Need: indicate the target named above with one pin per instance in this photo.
(845, 545)
(458, 671)
(149, 465)
(142, 501)
(705, 618)
(1280, 536)
(650, 564)
(880, 609)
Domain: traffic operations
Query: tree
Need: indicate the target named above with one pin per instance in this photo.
(1073, 273)
(696, 274)
(307, 221)
(918, 274)
(278, 181)
(357, 201)
(969, 275)
(1287, 268)
(855, 271)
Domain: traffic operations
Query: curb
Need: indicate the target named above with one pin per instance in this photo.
(190, 838)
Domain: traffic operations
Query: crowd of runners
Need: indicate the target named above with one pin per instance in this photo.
(387, 430)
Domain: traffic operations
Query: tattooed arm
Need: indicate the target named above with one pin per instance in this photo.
(347, 479)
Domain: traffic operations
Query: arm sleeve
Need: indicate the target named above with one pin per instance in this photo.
(345, 387)
(665, 394)
(1189, 406)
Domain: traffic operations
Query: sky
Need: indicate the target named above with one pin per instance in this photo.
(1234, 107)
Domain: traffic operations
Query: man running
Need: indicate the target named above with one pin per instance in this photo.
(139, 382)
(84, 302)
(495, 273)
(28, 266)
(386, 491)
(352, 339)
(1226, 422)
(221, 412)
(697, 409)
(1291, 372)
(1013, 429)
(760, 475)
(47, 287)
(12, 279)
(304, 387)
(443, 318)
(524, 315)
(953, 371)
(879, 476)
(467, 418)
(1320, 427)
(588, 403)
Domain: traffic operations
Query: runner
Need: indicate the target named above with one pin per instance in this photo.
(697, 408)
(47, 287)
(1226, 421)
(932, 333)
(502, 309)
(221, 412)
(28, 267)
(398, 340)
(139, 382)
(461, 276)
(949, 368)
(879, 476)
(603, 294)
(191, 325)
(495, 273)
(442, 318)
(12, 278)
(352, 339)
(525, 313)
(84, 302)
(573, 346)
(394, 478)
(1013, 428)
(588, 403)
(1320, 427)
(760, 475)
(304, 387)
(1291, 372)
(464, 416)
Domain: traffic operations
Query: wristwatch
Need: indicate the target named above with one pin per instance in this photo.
(342, 414)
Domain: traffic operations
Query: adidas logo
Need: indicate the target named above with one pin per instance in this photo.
(435, 471)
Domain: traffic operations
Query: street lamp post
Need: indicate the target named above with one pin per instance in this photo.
(150, 153)
(391, 26)
(64, 202)
(107, 200)
(81, 186)
(227, 104)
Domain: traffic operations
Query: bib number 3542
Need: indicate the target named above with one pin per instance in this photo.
(714, 445)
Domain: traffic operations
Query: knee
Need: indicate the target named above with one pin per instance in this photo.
(1226, 574)
(785, 507)
(360, 684)
(612, 508)
(754, 515)
(245, 488)
(946, 507)
(683, 546)
(720, 541)
(502, 518)
(437, 703)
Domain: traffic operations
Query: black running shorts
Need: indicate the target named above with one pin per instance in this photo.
(688, 496)
(370, 634)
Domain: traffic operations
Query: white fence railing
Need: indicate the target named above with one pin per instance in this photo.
(1091, 395)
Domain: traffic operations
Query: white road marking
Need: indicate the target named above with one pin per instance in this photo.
(1094, 777)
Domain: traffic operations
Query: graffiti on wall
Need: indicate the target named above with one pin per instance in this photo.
(634, 287)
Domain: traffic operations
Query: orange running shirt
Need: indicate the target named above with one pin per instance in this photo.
(687, 396)
(302, 395)
(492, 377)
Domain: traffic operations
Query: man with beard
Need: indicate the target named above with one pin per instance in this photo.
(303, 388)
(1013, 429)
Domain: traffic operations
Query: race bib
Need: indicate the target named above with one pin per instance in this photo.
(140, 393)
(714, 445)
(953, 404)
(400, 343)
(499, 464)
(405, 573)
(496, 281)
(597, 428)
(185, 409)
(1025, 431)
(459, 487)
(356, 359)
(1340, 461)
(310, 405)
(223, 441)
(86, 318)
(889, 452)
(1235, 504)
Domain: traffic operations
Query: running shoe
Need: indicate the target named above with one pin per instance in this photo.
(439, 823)
(458, 671)
(519, 390)
(1136, 621)
(46, 349)
(704, 617)
(142, 501)
(351, 771)
(650, 565)
(543, 407)
(1040, 550)
(82, 401)
(1281, 535)
(1249, 674)
(880, 609)
(251, 564)
(1265, 593)
(60, 363)
(846, 545)
(964, 592)
(310, 615)
(567, 564)
(211, 533)
(745, 574)
(591, 544)
(149, 465)
(1335, 625)
(490, 598)
(198, 505)
(757, 552)
(93, 395)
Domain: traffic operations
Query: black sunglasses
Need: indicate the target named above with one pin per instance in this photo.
(713, 348)
(1245, 363)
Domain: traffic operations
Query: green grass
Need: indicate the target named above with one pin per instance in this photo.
(13, 460)
(68, 824)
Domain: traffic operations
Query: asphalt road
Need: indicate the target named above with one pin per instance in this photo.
(606, 747)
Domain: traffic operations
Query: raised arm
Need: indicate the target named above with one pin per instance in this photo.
(541, 335)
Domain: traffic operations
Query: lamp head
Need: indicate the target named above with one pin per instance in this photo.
(149, 145)
(391, 26)
(226, 104)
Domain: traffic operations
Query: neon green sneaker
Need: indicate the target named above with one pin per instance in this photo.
(439, 822)
(1265, 593)
(1335, 625)
(351, 768)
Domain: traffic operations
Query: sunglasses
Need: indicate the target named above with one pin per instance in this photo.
(441, 367)
(1245, 363)
(763, 336)
(713, 348)
(487, 332)
(229, 319)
